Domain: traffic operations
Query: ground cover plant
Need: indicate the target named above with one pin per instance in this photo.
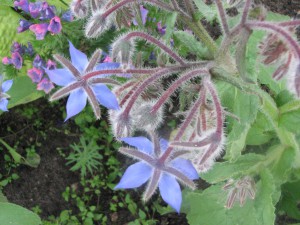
(187, 107)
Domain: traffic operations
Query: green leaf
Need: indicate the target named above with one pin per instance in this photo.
(225, 170)
(283, 165)
(290, 199)
(208, 11)
(16, 215)
(289, 120)
(23, 91)
(264, 204)
(207, 208)
(170, 24)
(2, 197)
(236, 140)
(190, 42)
(261, 131)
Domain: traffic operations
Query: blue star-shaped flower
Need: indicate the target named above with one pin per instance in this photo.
(76, 81)
(5, 86)
(161, 173)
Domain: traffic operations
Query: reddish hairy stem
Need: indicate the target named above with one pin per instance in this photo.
(124, 87)
(246, 11)
(117, 71)
(128, 95)
(283, 33)
(147, 82)
(289, 23)
(218, 107)
(155, 41)
(176, 85)
(222, 15)
(125, 2)
(184, 125)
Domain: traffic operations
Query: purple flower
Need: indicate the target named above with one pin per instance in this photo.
(143, 13)
(16, 47)
(5, 86)
(50, 65)
(6, 61)
(161, 29)
(47, 11)
(17, 60)
(160, 172)
(40, 30)
(67, 16)
(29, 50)
(23, 4)
(55, 25)
(45, 85)
(35, 9)
(24, 25)
(35, 74)
(38, 62)
(74, 82)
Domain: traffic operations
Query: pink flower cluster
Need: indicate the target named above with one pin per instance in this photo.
(45, 13)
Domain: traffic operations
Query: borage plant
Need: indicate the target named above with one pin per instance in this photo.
(230, 93)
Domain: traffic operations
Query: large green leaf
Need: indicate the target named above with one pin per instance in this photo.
(207, 208)
(11, 214)
(290, 199)
(264, 205)
(225, 170)
(23, 91)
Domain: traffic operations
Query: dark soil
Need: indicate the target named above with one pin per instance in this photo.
(43, 186)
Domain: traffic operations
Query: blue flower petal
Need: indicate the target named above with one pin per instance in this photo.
(170, 191)
(6, 85)
(141, 143)
(3, 104)
(135, 175)
(76, 103)
(163, 144)
(107, 66)
(185, 167)
(61, 77)
(78, 58)
(105, 97)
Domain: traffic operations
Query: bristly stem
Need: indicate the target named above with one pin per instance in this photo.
(155, 41)
(178, 9)
(274, 28)
(189, 75)
(246, 11)
(289, 23)
(218, 106)
(145, 83)
(185, 124)
(223, 18)
(123, 3)
(117, 71)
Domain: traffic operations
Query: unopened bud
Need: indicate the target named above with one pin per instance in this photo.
(122, 126)
(144, 119)
(122, 51)
(97, 24)
(80, 8)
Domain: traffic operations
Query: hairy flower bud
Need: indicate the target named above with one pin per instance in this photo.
(121, 126)
(122, 51)
(97, 23)
(80, 8)
(143, 119)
